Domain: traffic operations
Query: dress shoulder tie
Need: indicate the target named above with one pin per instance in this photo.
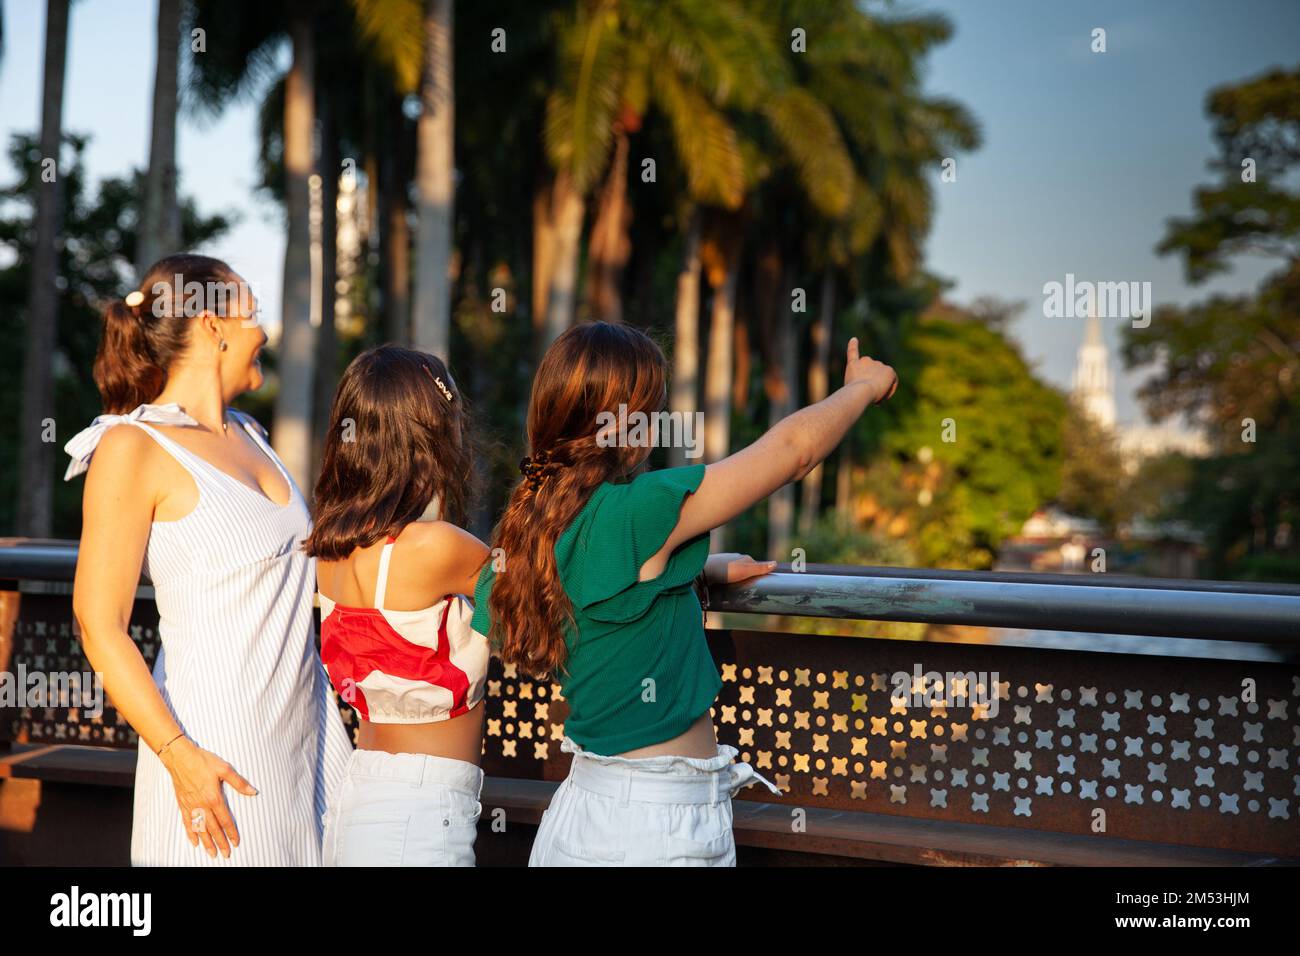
(81, 447)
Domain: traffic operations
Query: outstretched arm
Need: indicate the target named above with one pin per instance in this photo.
(787, 452)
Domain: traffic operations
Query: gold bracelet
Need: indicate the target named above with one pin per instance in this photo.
(170, 742)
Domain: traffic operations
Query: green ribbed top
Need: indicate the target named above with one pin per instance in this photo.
(639, 670)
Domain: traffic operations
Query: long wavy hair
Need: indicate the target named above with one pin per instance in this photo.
(590, 369)
(398, 436)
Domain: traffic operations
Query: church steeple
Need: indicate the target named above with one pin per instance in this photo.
(1092, 382)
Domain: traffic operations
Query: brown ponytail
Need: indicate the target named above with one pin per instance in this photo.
(141, 341)
(590, 369)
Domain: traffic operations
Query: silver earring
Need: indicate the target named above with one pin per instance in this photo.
(223, 345)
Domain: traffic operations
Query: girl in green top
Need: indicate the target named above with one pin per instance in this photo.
(595, 593)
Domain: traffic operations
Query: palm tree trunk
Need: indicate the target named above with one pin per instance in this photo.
(717, 382)
(396, 231)
(743, 365)
(543, 252)
(160, 221)
(818, 389)
(567, 208)
(686, 341)
(844, 482)
(293, 405)
(610, 246)
(780, 507)
(326, 335)
(35, 476)
(436, 184)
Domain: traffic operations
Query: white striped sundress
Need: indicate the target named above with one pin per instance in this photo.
(238, 664)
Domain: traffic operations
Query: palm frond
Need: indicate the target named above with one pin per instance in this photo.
(393, 31)
(808, 133)
(706, 143)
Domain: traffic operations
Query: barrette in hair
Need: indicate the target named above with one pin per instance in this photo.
(133, 298)
(442, 387)
(535, 469)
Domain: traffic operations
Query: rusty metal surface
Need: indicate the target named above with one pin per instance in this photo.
(1169, 750)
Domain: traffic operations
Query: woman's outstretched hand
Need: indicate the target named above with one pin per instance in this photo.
(877, 376)
(198, 776)
(731, 568)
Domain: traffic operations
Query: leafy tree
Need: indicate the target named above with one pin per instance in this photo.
(1232, 363)
(968, 448)
(99, 229)
(1093, 482)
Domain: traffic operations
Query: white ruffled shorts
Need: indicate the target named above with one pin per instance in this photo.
(644, 811)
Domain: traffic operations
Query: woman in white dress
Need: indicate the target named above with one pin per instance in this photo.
(241, 745)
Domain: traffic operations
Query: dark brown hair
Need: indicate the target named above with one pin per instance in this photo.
(141, 342)
(590, 369)
(398, 435)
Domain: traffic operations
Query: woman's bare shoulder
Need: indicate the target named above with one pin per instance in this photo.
(434, 538)
(122, 449)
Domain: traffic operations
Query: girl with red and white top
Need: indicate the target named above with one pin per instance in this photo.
(393, 569)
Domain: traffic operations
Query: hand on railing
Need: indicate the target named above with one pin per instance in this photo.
(731, 568)
(197, 776)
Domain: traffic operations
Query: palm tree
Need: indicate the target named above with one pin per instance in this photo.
(863, 71)
(297, 353)
(36, 448)
(435, 184)
(617, 58)
(160, 220)
(242, 43)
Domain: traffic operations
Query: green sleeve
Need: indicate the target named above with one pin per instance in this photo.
(628, 526)
(482, 621)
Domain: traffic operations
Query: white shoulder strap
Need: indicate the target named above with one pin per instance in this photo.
(381, 582)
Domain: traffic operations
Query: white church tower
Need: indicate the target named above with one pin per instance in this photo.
(1093, 388)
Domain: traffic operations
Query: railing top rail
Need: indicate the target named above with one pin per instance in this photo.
(1208, 610)
(1252, 612)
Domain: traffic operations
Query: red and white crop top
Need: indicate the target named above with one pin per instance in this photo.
(404, 667)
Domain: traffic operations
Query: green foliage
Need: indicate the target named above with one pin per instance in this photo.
(1232, 363)
(95, 256)
(955, 501)
(1093, 483)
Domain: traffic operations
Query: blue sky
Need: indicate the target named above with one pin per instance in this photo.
(108, 92)
(1085, 155)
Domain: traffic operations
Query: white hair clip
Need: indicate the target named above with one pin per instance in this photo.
(446, 392)
(134, 298)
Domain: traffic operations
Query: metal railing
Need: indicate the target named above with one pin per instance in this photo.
(1184, 752)
(1109, 604)
(1155, 607)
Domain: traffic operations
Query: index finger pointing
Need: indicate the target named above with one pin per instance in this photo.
(853, 349)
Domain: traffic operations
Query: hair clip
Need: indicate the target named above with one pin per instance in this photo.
(535, 469)
(133, 298)
(442, 387)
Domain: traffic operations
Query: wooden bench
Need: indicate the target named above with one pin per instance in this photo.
(763, 830)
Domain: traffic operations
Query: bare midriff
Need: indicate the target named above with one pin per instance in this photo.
(698, 740)
(459, 738)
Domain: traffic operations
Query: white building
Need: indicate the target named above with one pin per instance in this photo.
(1094, 389)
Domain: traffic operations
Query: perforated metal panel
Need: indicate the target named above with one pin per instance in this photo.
(1194, 752)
